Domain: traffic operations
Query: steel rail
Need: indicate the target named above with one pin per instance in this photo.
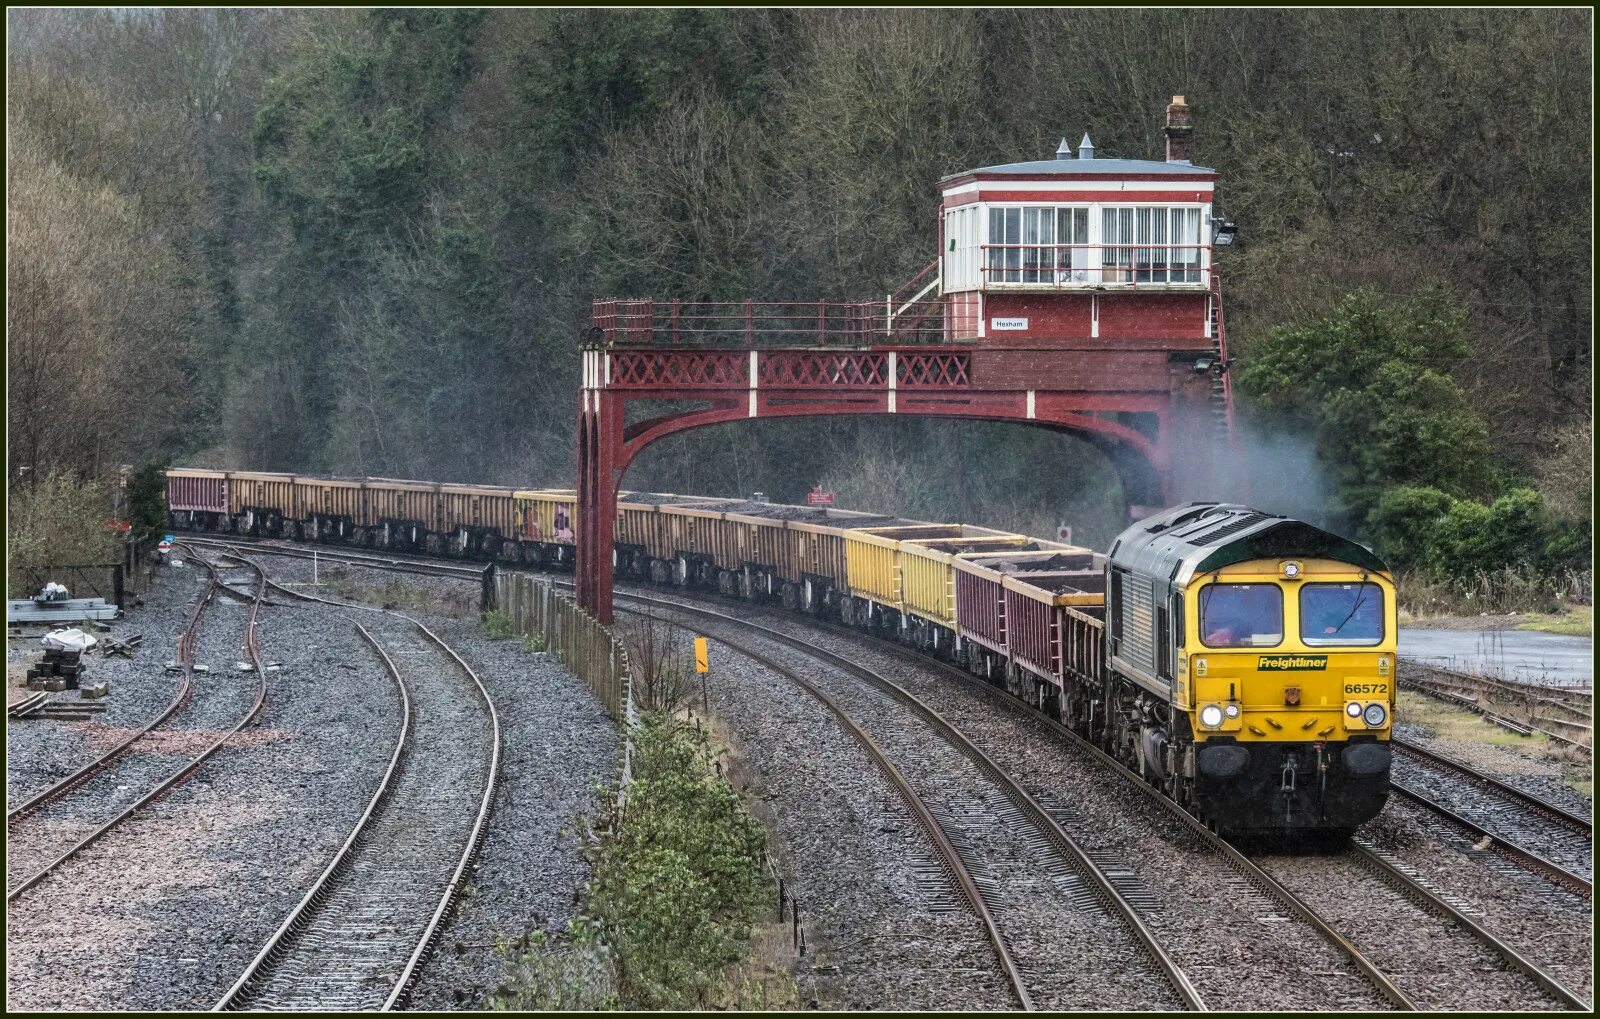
(1414, 890)
(297, 917)
(28, 705)
(1561, 876)
(1575, 883)
(179, 699)
(1366, 856)
(1072, 853)
(1538, 804)
(1455, 697)
(949, 859)
(172, 781)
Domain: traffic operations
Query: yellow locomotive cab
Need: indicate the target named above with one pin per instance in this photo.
(1326, 672)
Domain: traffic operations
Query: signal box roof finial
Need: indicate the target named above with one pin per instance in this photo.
(1065, 151)
(1086, 147)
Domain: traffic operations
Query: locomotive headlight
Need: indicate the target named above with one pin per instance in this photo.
(1375, 715)
(1232, 710)
(1353, 709)
(1210, 716)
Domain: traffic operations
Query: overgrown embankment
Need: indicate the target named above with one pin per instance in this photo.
(678, 883)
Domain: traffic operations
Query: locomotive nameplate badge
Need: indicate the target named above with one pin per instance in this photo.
(1292, 663)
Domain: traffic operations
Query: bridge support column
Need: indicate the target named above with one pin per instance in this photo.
(600, 449)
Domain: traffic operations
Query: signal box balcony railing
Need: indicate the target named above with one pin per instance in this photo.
(644, 321)
(1095, 266)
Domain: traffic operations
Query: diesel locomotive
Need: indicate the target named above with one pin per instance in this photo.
(1240, 661)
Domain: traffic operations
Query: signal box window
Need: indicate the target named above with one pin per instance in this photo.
(1241, 615)
(1341, 614)
(1041, 244)
(1151, 244)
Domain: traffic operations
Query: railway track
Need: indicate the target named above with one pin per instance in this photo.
(1537, 804)
(357, 937)
(1373, 863)
(1252, 875)
(1532, 832)
(1376, 864)
(57, 795)
(393, 564)
(1561, 715)
(1360, 860)
(1381, 908)
(968, 837)
(180, 697)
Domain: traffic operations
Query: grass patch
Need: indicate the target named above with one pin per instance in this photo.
(497, 625)
(533, 643)
(1577, 621)
(678, 887)
(1451, 722)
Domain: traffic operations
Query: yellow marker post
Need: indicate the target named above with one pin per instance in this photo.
(702, 665)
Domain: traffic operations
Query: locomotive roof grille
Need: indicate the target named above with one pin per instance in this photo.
(1228, 529)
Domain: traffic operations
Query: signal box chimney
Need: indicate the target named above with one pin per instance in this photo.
(1179, 130)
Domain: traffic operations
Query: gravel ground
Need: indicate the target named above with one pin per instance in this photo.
(1201, 910)
(1549, 926)
(167, 910)
(185, 915)
(40, 752)
(1522, 918)
(1447, 970)
(218, 700)
(1556, 841)
(371, 916)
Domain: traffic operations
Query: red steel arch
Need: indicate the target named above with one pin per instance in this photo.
(743, 384)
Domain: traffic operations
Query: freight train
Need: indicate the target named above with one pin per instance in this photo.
(1242, 662)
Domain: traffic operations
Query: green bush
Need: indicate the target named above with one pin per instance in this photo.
(497, 625)
(1363, 380)
(677, 882)
(1459, 555)
(1405, 523)
(545, 975)
(533, 643)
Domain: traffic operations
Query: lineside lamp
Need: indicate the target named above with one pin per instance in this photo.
(1223, 233)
